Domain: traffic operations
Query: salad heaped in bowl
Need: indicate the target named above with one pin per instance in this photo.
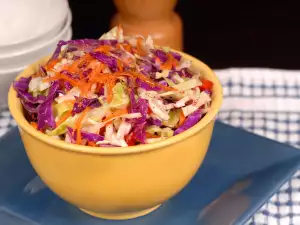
(115, 91)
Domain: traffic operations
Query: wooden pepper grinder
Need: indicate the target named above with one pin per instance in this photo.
(150, 17)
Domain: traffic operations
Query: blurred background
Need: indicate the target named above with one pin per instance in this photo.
(221, 33)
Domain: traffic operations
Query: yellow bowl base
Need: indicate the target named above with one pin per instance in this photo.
(120, 216)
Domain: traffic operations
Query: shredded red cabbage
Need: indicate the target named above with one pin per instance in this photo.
(151, 121)
(79, 63)
(138, 106)
(147, 68)
(139, 124)
(86, 45)
(108, 60)
(185, 73)
(189, 122)
(30, 107)
(160, 54)
(176, 55)
(85, 135)
(21, 87)
(45, 113)
(67, 85)
(71, 75)
(146, 86)
(139, 132)
(82, 103)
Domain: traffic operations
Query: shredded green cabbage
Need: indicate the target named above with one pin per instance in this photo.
(120, 97)
(174, 118)
(62, 128)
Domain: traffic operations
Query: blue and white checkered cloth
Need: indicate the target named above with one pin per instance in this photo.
(267, 102)
(263, 101)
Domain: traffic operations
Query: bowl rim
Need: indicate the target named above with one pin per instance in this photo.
(64, 29)
(14, 105)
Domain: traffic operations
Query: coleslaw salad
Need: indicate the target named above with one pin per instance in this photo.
(115, 91)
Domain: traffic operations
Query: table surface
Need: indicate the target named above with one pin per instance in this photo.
(263, 101)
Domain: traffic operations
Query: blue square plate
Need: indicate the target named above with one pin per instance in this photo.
(240, 172)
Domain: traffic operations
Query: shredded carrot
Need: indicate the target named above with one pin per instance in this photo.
(106, 76)
(78, 63)
(174, 62)
(37, 74)
(101, 67)
(103, 48)
(59, 76)
(119, 46)
(78, 125)
(116, 113)
(85, 87)
(110, 86)
(139, 46)
(153, 83)
(181, 119)
(168, 65)
(120, 68)
(127, 47)
(97, 69)
(34, 125)
(74, 66)
(107, 123)
(91, 143)
(99, 78)
(109, 80)
(148, 135)
(51, 64)
(94, 64)
(65, 116)
(124, 46)
(157, 60)
(81, 84)
(127, 61)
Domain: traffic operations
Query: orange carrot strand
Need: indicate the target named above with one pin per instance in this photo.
(91, 143)
(78, 125)
(148, 135)
(34, 125)
(103, 48)
(51, 64)
(110, 86)
(65, 116)
(168, 65)
(119, 64)
(181, 119)
(139, 47)
(116, 113)
(62, 77)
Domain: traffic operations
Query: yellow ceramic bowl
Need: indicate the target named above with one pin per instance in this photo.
(118, 183)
